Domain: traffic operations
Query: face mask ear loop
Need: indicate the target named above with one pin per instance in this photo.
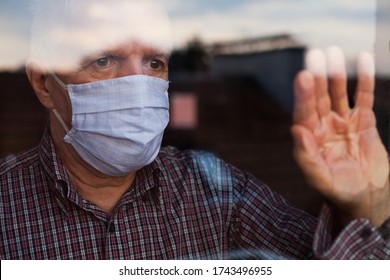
(61, 83)
(59, 118)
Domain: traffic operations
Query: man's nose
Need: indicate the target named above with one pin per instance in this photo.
(131, 67)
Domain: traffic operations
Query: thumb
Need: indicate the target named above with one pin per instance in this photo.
(304, 142)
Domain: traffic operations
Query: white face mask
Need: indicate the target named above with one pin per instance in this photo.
(118, 124)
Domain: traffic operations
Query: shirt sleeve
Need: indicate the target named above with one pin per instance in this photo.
(268, 227)
(358, 240)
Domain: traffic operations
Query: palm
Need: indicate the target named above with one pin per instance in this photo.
(346, 157)
(338, 148)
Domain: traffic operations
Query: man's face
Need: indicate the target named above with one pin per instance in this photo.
(124, 60)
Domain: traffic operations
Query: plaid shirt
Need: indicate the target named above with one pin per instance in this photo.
(185, 205)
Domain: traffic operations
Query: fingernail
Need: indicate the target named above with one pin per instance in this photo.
(306, 80)
(335, 60)
(315, 62)
(366, 64)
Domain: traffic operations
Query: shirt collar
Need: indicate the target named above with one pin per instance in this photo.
(146, 185)
(51, 163)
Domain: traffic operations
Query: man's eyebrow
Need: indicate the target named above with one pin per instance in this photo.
(161, 54)
(89, 59)
(98, 55)
(86, 60)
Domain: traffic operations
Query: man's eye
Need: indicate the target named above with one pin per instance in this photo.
(102, 62)
(156, 64)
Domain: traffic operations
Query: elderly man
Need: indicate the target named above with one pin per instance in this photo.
(99, 187)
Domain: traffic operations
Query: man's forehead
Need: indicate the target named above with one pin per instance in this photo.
(89, 26)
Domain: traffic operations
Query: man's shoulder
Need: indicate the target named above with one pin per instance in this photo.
(195, 162)
(19, 162)
(176, 156)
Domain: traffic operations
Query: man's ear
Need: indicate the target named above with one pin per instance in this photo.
(37, 76)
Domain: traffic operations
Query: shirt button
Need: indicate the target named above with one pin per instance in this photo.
(111, 228)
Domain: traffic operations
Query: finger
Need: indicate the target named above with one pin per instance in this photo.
(305, 101)
(338, 81)
(316, 64)
(365, 88)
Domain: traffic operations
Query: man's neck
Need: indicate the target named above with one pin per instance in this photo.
(102, 190)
